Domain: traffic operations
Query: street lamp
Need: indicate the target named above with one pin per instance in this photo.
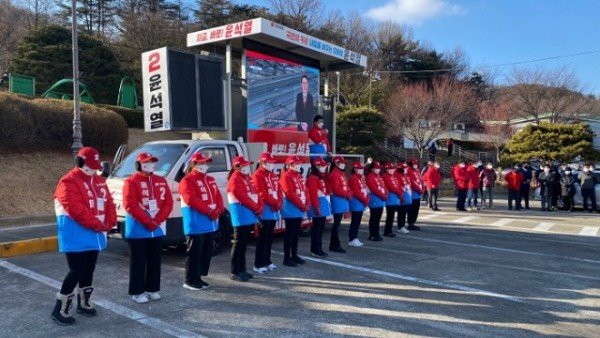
(77, 136)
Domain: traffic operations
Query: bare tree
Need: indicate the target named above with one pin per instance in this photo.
(495, 118)
(11, 31)
(302, 15)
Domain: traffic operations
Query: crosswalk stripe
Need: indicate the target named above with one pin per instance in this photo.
(502, 222)
(543, 226)
(432, 215)
(464, 219)
(589, 231)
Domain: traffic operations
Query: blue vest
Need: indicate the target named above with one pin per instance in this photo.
(270, 215)
(324, 208)
(356, 205)
(339, 205)
(407, 198)
(74, 237)
(317, 149)
(290, 210)
(195, 223)
(376, 201)
(135, 229)
(241, 215)
(393, 200)
(415, 195)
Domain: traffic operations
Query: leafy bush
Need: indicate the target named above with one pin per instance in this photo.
(46, 124)
(134, 118)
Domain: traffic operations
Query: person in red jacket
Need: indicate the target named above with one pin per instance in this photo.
(271, 195)
(148, 202)
(514, 179)
(295, 206)
(473, 186)
(340, 200)
(319, 194)
(84, 213)
(318, 137)
(378, 197)
(358, 202)
(245, 208)
(416, 186)
(461, 183)
(395, 197)
(201, 207)
(433, 180)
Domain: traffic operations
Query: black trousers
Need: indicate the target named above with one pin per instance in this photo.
(555, 197)
(199, 254)
(568, 202)
(264, 244)
(334, 242)
(402, 213)
(375, 221)
(461, 198)
(290, 239)
(239, 242)
(354, 225)
(413, 212)
(433, 197)
(390, 212)
(144, 265)
(524, 196)
(81, 270)
(316, 234)
(513, 195)
(591, 195)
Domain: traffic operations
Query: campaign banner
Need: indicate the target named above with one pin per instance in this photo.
(281, 94)
(155, 82)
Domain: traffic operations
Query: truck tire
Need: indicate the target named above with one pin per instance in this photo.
(222, 237)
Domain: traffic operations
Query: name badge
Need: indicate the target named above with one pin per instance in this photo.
(303, 197)
(274, 195)
(152, 205)
(254, 197)
(100, 204)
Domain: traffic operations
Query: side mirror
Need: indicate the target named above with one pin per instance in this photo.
(105, 168)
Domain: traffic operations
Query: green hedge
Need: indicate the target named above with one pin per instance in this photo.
(47, 124)
(134, 118)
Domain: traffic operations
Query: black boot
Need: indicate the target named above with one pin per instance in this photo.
(84, 306)
(63, 305)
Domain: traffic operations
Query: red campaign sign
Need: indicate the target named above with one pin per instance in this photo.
(281, 141)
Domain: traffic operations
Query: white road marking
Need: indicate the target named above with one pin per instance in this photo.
(464, 219)
(18, 227)
(502, 222)
(433, 215)
(412, 279)
(116, 308)
(543, 226)
(506, 250)
(589, 231)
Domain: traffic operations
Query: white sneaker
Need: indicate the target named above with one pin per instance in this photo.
(403, 230)
(355, 243)
(153, 295)
(140, 299)
(261, 271)
(272, 267)
(359, 242)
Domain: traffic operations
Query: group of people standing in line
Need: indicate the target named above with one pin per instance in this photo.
(85, 212)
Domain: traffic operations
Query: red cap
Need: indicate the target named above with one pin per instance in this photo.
(267, 157)
(389, 165)
(338, 159)
(241, 161)
(293, 160)
(91, 157)
(319, 162)
(358, 165)
(200, 158)
(146, 157)
(376, 165)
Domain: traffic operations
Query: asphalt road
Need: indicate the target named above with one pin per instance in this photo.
(486, 274)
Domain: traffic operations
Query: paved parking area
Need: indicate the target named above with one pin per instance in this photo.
(484, 274)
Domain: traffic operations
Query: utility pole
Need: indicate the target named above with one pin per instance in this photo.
(77, 136)
(370, 88)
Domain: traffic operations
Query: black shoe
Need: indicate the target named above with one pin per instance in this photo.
(318, 254)
(298, 260)
(289, 263)
(437, 209)
(84, 306)
(391, 234)
(248, 275)
(413, 227)
(463, 209)
(338, 250)
(378, 239)
(63, 305)
(240, 277)
(203, 283)
(372, 238)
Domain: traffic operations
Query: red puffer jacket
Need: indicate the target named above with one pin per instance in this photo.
(139, 189)
(461, 179)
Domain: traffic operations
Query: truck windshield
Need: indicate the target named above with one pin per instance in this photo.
(167, 154)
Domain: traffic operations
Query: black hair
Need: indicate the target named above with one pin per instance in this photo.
(304, 77)
(317, 118)
(314, 170)
(233, 169)
(79, 161)
(400, 169)
(138, 166)
(368, 168)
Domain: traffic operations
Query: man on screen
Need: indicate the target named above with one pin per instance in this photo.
(305, 108)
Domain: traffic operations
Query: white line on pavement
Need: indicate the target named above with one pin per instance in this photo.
(589, 231)
(502, 222)
(506, 250)
(433, 215)
(116, 308)
(413, 279)
(543, 226)
(464, 219)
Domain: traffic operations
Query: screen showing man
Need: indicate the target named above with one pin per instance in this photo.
(305, 107)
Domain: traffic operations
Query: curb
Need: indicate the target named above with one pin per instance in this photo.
(28, 246)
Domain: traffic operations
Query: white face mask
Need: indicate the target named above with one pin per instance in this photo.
(297, 168)
(147, 167)
(479, 164)
(377, 171)
(415, 166)
(245, 170)
(567, 172)
(490, 167)
(462, 165)
(546, 170)
(587, 170)
(390, 171)
(269, 166)
(202, 168)
(322, 170)
(320, 124)
(342, 166)
(88, 171)
(437, 166)
(360, 171)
